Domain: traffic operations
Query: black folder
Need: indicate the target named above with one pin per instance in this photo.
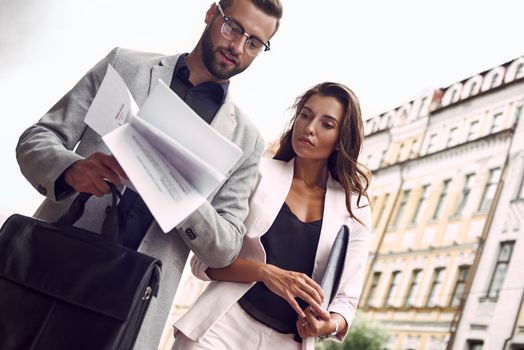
(335, 265)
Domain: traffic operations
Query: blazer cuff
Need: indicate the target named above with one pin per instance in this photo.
(198, 268)
(348, 316)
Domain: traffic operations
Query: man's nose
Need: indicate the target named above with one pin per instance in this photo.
(238, 45)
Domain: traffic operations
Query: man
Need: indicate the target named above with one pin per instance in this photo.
(236, 32)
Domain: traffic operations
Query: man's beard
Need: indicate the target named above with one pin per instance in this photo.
(216, 69)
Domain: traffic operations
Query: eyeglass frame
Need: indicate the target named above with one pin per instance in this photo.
(227, 19)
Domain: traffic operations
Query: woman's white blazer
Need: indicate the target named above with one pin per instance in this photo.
(270, 192)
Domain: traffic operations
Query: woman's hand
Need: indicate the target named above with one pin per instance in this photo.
(316, 324)
(290, 285)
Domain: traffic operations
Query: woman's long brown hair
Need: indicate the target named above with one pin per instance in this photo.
(342, 163)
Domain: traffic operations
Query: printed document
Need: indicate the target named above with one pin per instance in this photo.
(172, 157)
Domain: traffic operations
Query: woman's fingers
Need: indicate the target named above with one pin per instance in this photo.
(300, 327)
(291, 300)
(308, 299)
(306, 284)
(317, 288)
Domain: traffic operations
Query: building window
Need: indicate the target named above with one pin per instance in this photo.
(520, 194)
(441, 199)
(421, 106)
(411, 342)
(415, 280)
(458, 291)
(400, 151)
(401, 207)
(392, 288)
(383, 157)
(489, 191)
(474, 344)
(472, 88)
(518, 113)
(413, 151)
(465, 195)
(496, 125)
(494, 80)
(373, 287)
(473, 130)
(501, 267)
(453, 95)
(432, 143)
(421, 204)
(435, 286)
(381, 210)
(452, 137)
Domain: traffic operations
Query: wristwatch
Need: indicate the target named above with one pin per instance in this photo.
(331, 334)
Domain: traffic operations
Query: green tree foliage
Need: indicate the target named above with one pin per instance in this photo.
(363, 335)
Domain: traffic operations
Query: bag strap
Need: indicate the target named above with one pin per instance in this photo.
(112, 227)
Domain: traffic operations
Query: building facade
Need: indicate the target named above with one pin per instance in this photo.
(491, 317)
(437, 166)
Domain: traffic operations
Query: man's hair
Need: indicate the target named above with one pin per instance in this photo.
(272, 8)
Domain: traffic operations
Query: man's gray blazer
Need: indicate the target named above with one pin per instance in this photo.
(214, 231)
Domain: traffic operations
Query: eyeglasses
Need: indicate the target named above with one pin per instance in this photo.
(232, 30)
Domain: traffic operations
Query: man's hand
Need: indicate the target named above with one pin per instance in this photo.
(290, 285)
(89, 175)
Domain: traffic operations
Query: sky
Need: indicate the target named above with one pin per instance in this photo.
(387, 52)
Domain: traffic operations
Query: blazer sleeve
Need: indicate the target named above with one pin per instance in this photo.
(214, 232)
(346, 300)
(45, 150)
(198, 268)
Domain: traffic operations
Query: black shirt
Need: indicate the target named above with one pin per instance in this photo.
(205, 98)
(291, 245)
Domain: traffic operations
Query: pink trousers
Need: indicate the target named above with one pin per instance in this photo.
(237, 330)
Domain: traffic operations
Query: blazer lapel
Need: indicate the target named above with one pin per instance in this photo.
(335, 214)
(163, 71)
(271, 193)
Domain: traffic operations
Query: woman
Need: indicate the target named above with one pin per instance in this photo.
(311, 187)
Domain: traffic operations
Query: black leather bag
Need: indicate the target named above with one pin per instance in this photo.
(63, 287)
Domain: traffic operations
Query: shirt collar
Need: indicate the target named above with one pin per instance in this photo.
(182, 71)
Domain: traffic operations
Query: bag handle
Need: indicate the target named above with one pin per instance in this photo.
(112, 227)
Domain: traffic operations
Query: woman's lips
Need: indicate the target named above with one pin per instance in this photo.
(306, 141)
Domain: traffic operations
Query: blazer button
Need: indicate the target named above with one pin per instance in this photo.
(190, 234)
(108, 209)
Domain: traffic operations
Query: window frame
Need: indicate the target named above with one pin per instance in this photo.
(459, 281)
(401, 207)
(392, 288)
(421, 205)
(413, 286)
(436, 282)
(495, 273)
(466, 191)
(373, 287)
(490, 184)
(441, 199)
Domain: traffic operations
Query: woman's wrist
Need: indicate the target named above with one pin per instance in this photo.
(334, 328)
(262, 272)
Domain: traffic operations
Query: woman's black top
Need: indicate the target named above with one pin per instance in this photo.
(291, 245)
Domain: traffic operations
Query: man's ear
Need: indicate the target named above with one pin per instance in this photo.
(211, 13)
